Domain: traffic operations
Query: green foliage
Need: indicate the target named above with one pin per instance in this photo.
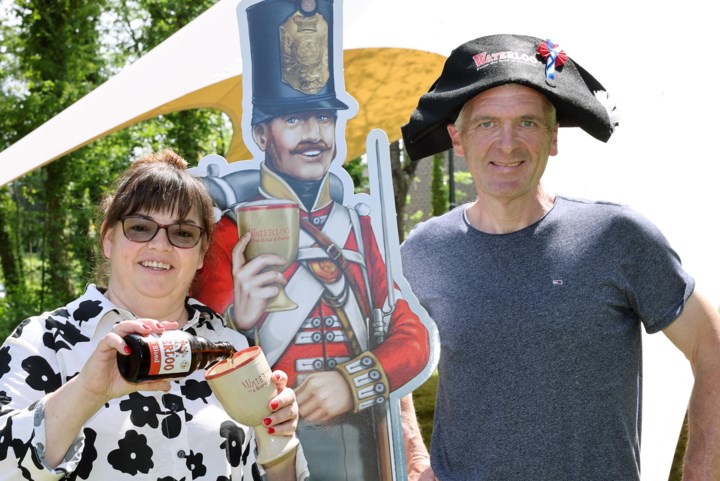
(461, 178)
(438, 187)
(51, 62)
(52, 54)
(424, 400)
(357, 168)
(679, 458)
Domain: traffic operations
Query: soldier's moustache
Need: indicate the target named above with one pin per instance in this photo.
(303, 147)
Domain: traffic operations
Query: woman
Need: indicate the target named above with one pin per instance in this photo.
(66, 411)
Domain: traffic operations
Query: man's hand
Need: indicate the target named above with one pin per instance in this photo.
(417, 459)
(253, 284)
(323, 396)
(424, 475)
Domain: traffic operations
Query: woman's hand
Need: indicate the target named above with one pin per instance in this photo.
(100, 377)
(253, 284)
(284, 418)
(98, 382)
(282, 422)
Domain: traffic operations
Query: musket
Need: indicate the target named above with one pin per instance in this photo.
(380, 173)
(381, 160)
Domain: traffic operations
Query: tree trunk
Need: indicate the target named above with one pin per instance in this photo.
(403, 171)
(58, 287)
(8, 259)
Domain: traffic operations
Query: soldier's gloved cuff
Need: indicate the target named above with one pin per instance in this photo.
(367, 380)
(228, 315)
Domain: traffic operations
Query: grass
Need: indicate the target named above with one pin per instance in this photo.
(424, 399)
(677, 464)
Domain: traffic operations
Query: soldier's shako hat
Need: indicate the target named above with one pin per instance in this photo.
(487, 62)
(291, 49)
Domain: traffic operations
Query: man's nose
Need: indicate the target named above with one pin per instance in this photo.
(508, 137)
(311, 130)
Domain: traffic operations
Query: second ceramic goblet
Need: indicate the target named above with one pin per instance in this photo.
(244, 387)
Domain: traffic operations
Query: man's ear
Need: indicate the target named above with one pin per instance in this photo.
(455, 137)
(259, 133)
(554, 144)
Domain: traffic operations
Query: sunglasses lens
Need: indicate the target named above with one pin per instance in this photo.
(138, 229)
(184, 235)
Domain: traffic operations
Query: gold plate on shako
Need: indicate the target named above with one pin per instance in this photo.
(304, 42)
(326, 271)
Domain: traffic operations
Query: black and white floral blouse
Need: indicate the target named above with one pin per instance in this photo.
(179, 436)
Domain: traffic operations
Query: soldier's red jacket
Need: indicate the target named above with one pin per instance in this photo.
(321, 341)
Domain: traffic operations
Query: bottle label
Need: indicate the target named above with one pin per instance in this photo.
(169, 354)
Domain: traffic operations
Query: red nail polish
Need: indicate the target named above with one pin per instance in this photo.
(277, 376)
(127, 350)
(271, 430)
(267, 421)
(274, 405)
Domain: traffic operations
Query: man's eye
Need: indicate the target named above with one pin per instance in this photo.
(292, 120)
(528, 123)
(486, 124)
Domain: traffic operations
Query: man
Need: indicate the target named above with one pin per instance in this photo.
(539, 298)
(340, 362)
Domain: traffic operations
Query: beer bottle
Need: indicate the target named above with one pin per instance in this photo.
(174, 354)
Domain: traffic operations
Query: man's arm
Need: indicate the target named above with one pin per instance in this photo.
(416, 454)
(697, 334)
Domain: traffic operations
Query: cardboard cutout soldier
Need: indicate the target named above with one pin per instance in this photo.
(327, 310)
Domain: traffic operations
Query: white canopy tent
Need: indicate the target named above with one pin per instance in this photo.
(655, 59)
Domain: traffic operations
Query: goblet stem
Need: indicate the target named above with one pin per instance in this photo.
(281, 302)
(273, 449)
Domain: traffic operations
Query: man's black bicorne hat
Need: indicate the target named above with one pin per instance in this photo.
(487, 62)
(291, 49)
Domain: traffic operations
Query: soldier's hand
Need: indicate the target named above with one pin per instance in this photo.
(323, 396)
(253, 284)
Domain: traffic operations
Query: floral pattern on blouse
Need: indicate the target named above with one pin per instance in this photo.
(181, 435)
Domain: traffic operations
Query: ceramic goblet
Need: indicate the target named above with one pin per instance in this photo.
(244, 387)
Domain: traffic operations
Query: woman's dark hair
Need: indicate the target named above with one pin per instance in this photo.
(158, 182)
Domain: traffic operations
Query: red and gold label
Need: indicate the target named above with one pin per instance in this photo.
(169, 354)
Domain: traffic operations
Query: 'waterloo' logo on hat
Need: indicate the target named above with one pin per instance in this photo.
(483, 59)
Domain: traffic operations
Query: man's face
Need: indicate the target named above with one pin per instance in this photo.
(506, 135)
(300, 145)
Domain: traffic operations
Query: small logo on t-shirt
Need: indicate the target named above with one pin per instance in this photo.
(557, 282)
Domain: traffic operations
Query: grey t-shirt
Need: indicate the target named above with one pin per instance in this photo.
(540, 366)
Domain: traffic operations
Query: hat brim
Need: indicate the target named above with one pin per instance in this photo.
(572, 94)
(263, 113)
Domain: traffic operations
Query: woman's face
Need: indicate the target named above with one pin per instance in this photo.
(154, 272)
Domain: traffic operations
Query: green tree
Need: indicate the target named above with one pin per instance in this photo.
(438, 186)
(51, 54)
(191, 133)
(49, 62)
(403, 171)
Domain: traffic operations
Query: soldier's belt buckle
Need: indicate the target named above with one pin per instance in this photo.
(334, 252)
